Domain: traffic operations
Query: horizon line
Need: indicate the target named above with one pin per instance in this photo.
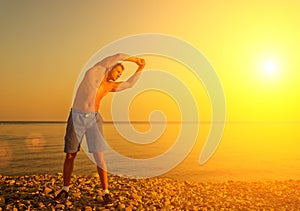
(154, 122)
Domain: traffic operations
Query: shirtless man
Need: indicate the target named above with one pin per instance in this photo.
(84, 118)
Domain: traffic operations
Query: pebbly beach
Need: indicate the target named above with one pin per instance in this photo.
(36, 192)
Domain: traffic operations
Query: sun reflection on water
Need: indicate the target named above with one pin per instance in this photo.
(5, 153)
(35, 142)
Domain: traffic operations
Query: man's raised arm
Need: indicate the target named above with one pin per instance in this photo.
(119, 86)
(110, 61)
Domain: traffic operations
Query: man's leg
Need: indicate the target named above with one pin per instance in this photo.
(101, 169)
(68, 167)
(67, 172)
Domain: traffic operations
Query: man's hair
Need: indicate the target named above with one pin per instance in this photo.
(118, 64)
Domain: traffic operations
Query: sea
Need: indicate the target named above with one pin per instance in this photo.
(247, 151)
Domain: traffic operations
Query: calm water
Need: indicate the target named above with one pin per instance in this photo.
(248, 151)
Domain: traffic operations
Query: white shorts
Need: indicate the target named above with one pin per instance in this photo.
(84, 123)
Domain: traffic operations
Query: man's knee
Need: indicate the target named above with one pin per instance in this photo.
(71, 156)
(99, 158)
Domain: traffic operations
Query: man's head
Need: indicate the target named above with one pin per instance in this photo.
(115, 72)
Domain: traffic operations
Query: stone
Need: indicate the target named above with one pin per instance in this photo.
(11, 182)
(88, 208)
(135, 196)
(122, 206)
(60, 206)
(41, 205)
(2, 201)
(77, 195)
(47, 190)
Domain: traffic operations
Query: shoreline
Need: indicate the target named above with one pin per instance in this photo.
(36, 192)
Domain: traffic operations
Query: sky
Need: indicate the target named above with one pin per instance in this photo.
(252, 45)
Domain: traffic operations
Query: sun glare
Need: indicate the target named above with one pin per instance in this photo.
(270, 68)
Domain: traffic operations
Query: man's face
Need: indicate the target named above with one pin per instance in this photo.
(115, 73)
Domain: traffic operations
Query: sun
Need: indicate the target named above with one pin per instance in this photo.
(270, 68)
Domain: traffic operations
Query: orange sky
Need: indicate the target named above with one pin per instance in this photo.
(45, 44)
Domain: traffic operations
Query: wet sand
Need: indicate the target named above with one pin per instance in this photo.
(37, 192)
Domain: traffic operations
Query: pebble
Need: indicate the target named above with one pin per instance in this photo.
(121, 206)
(2, 201)
(37, 192)
(47, 190)
(88, 208)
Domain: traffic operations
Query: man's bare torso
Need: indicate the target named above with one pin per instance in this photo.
(99, 80)
(91, 90)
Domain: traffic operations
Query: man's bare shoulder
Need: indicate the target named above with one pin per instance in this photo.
(108, 85)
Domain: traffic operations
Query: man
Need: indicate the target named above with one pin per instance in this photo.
(84, 118)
